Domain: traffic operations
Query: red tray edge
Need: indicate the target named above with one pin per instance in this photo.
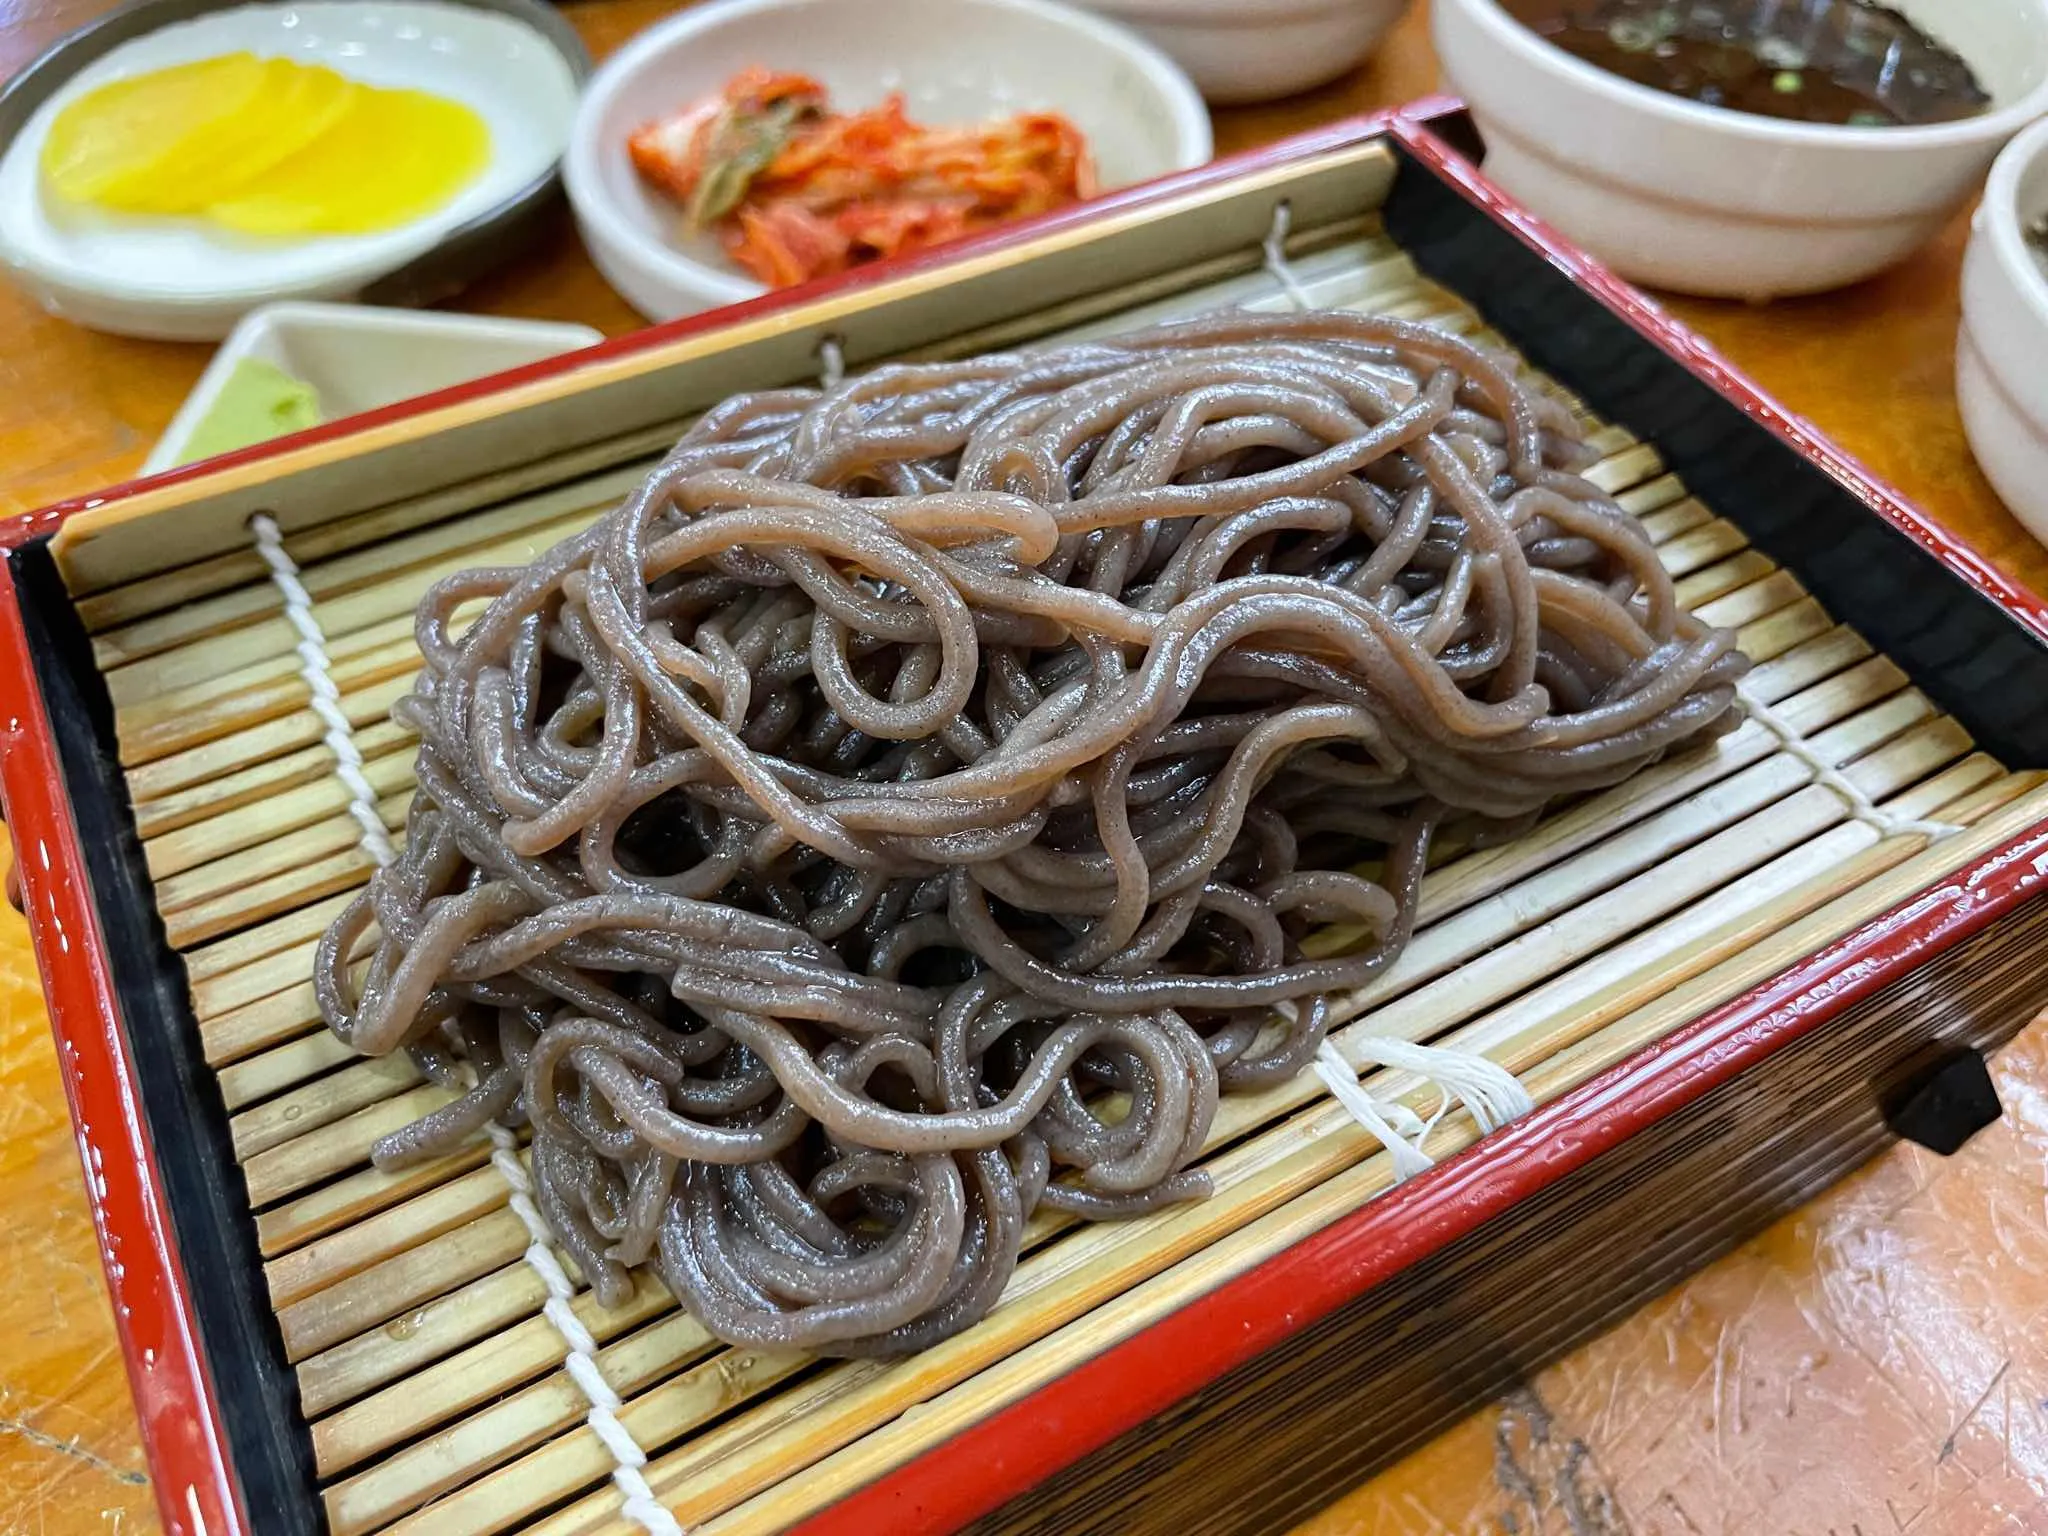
(176, 1406)
(175, 1399)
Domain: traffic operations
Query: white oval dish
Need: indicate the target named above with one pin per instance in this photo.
(2002, 350)
(956, 61)
(1708, 201)
(185, 280)
(1255, 50)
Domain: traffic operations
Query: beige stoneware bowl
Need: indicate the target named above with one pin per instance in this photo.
(1707, 201)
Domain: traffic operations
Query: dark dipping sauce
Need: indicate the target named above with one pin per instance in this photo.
(1845, 62)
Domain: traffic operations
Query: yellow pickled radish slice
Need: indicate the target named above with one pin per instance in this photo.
(112, 144)
(178, 139)
(295, 106)
(264, 146)
(391, 157)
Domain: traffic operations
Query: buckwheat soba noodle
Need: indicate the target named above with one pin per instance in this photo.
(907, 811)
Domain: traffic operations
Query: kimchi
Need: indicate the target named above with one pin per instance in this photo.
(795, 190)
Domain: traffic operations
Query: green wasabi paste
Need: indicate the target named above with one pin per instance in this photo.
(259, 401)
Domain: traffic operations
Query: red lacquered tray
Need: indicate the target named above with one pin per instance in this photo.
(1453, 1277)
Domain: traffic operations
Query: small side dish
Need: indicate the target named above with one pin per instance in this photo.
(1849, 62)
(1240, 51)
(173, 166)
(2002, 344)
(1733, 149)
(290, 366)
(953, 62)
(796, 190)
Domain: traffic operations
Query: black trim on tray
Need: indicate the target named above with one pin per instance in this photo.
(1976, 660)
(270, 1446)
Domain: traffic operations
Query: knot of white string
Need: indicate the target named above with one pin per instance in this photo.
(1488, 1090)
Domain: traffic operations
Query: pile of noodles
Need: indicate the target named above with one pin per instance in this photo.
(906, 811)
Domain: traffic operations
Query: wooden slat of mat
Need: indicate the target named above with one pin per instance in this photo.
(171, 590)
(255, 607)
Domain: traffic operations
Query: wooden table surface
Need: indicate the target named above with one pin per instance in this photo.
(1872, 1366)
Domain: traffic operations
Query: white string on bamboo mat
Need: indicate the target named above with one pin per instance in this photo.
(326, 698)
(1487, 1089)
(1861, 806)
(831, 362)
(637, 1500)
(1276, 258)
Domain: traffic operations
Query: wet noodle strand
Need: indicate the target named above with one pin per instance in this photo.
(908, 809)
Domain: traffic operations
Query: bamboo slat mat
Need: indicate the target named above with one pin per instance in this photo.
(432, 1385)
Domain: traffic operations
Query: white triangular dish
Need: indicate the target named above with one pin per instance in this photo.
(357, 358)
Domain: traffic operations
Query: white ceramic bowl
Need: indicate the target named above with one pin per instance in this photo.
(184, 280)
(2002, 353)
(1708, 201)
(1254, 50)
(357, 357)
(956, 61)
